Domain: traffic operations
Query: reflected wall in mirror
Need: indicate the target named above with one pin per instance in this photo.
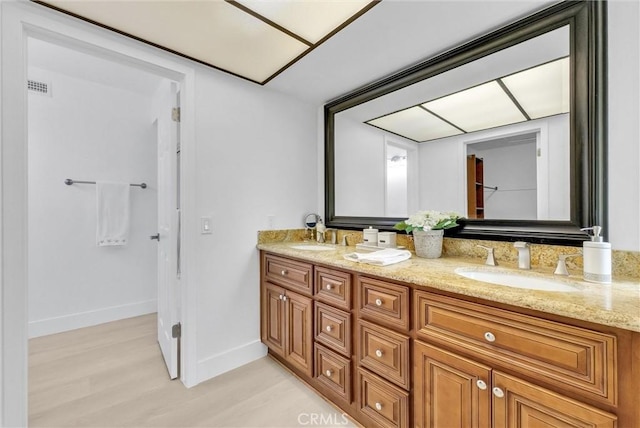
(525, 102)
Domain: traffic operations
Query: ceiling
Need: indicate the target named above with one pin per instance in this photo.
(386, 38)
(252, 39)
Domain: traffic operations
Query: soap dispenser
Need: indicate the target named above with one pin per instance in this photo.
(597, 258)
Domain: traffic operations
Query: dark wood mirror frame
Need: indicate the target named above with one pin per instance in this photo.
(588, 124)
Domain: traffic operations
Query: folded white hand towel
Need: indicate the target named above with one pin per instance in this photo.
(384, 257)
(112, 213)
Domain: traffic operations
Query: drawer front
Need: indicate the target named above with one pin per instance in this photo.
(333, 328)
(333, 371)
(289, 273)
(578, 359)
(384, 303)
(333, 287)
(381, 401)
(384, 352)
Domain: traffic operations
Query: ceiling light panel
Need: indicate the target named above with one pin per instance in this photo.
(311, 20)
(481, 107)
(214, 32)
(416, 124)
(543, 90)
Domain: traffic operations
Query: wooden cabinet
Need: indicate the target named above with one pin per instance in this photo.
(475, 187)
(287, 326)
(397, 355)
(460, 378)
(453, 391)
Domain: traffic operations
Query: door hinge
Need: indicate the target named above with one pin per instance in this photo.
(176, 331)
(175, 114)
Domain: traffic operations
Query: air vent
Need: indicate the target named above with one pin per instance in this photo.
(42, 88)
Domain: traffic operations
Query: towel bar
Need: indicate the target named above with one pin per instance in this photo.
(69, 182)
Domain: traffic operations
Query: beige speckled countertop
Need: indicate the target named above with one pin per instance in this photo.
(615, 305)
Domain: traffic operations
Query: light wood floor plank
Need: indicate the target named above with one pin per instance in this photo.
(113, 375)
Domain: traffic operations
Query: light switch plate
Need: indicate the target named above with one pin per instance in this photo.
(205, 225)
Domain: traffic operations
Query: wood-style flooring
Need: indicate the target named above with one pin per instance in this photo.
(113, 375)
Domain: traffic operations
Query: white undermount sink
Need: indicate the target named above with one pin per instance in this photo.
(312, 247)
(511, 279)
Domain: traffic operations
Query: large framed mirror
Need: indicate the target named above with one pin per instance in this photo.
(509, 130)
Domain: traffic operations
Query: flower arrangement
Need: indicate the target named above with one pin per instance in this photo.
(429, 220)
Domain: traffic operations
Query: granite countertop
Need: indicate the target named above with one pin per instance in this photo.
(615, 305)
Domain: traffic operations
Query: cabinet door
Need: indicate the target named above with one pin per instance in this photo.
(449, 390)
(299, 332)
(273, 317)
(517, 403)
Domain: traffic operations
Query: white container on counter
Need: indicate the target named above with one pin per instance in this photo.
(370, 236)
(387, 239)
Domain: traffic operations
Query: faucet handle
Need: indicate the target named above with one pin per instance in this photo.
(491, 260)
(561, 268)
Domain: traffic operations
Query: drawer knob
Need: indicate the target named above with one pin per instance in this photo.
(379, 353)
(284, 298)
(329, 373)
(284, 272)
(378, 406)
(481, 384)
(329, 287)
(378, 302)
(329, 328)
(280, 297)
(498, 392)
(489, 337)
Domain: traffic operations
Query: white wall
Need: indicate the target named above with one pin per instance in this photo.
(624, 127)
(88, 131)
(256, 158)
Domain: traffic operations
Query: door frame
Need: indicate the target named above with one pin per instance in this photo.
(19, 21)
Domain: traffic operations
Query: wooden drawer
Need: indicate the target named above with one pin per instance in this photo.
(333, 287)
(381, 401)
(333, 328)
(384, 352)
(333, 371)
(288, 273)
(384, 303)
(575, 359)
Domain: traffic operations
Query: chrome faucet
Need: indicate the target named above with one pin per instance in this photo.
(334, 235)
(561, 268)
(524, 255)
(491, 260)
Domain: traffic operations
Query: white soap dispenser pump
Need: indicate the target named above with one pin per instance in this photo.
(597, 258)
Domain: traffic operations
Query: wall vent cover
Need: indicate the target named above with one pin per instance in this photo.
(38, 87)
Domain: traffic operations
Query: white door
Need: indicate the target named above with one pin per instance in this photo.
(167, 131)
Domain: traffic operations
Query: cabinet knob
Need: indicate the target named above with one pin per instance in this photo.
(329, 328)
(329, 287)
(284, 298)
(379, 353)
(498, 392)
(378, 302)
(378, 406)
(329, 373)
(284, 272)
(481, 384)
(489, 337)
(280, 297)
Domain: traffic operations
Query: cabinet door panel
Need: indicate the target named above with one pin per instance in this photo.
(273, 318)
(521, 404)
(299, 332)
(446, 390)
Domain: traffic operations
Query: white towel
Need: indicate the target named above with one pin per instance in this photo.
(113, 213)
(384, 257)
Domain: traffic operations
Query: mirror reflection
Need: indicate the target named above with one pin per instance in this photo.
(489, 139)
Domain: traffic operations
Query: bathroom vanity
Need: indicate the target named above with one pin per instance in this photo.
(415, 344)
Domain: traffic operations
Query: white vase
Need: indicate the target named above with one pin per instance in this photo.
(428, 243)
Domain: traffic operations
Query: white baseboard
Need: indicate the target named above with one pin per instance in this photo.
(86, 319)
(233, 358)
